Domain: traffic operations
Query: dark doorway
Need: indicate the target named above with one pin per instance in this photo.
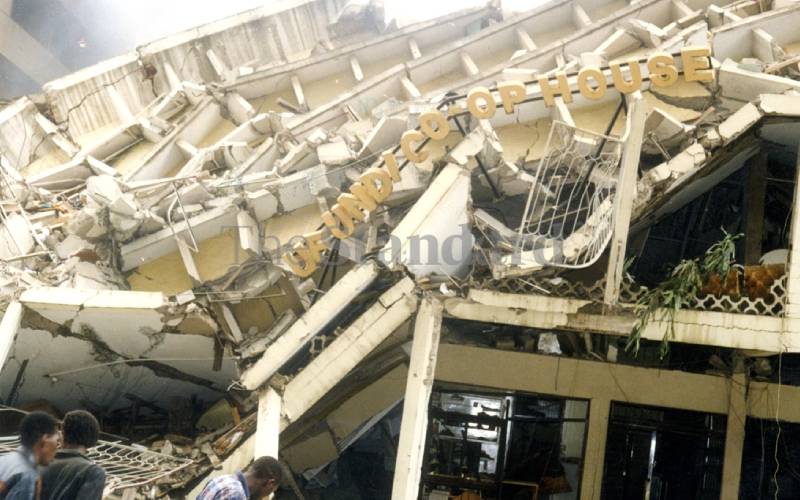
(761, 478)
(663, 454)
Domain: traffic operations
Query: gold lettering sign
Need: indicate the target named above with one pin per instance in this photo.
(376, 184)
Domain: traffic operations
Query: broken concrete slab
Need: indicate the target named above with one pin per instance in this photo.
(780, 104)
(384, 134)
(316, 318)
(440, 219)
(15, 237)
(392, 309)
(739, 122)
(649, 34)
(335, 153)
(71, 245)
(664, 130)
(743, 85)
(687, 160)
(684, 94)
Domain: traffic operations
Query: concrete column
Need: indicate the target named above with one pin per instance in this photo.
(414, 49)
(268, 423)
(734, 437)
(411, 90)
(468, 65)
(297, 87)
(8, 329)
(524, 40)
(422, 366)
(624, 195)
(579, 16)
(315, 319)
(756, 195)
(595, 454)
(791, 315)
(358, 74)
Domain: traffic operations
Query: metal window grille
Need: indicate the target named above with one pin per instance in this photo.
(125, 466)
(568, 217)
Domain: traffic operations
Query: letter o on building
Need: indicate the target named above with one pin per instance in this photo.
(488, 108)
(586, 88)
(426, 121)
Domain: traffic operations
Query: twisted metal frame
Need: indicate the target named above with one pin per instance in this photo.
(568, 217)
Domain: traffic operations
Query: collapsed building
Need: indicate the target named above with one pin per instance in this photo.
(195, 248)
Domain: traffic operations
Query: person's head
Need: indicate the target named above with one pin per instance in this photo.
(80, 429)
(263, 477)
(38, 432)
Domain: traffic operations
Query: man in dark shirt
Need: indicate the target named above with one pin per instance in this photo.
(72, 476)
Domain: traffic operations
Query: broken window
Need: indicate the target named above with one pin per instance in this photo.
(504, 446)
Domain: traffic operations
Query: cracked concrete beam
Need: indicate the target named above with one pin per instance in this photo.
(560, 112)
(764, 46)
(739, 122)
(684, 162)
(680, 9)
(297, 88)
(241, 111)
(743, 85)
(257, 345)
(414, 426)
(311, 323)
(189, 150)
(439, 216)
(715, 16)
(414, 49)
(124, 113)
(392, 309)
(384, 134)
(59, 139)
(8, 329)
(410, 89)
(248, 232)
(16, 238)
(172, 78)
(468, 65)
(729, 17)
(780, 104)
(524, 40)
(188, 259)
(268, 423)
(355, 67)
(623, 205)
(220, 68)
(229, 323)
(553, 313)
(620, 42)
(649, 34)
(666, 130)
(579, 16)
(160, 243)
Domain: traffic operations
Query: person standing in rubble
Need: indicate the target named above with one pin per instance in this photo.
(259, 480)
(19, 473)
(72, 476)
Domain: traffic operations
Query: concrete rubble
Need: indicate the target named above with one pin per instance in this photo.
(151, 269)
